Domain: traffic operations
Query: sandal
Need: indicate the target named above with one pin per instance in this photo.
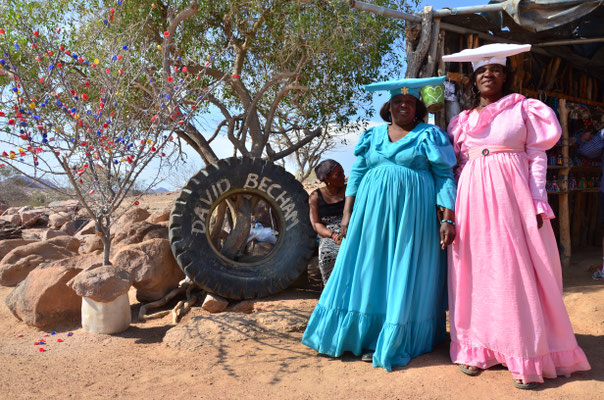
(519, 384)
(367, 357)
(467, 370)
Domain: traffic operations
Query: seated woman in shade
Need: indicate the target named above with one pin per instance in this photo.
(386, 297)
(505, 280)
(326, 209)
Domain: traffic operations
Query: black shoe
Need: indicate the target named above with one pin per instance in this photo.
(367, 357)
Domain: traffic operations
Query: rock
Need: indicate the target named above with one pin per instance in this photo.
(11, 211)
(9, 244)
(57, 220)
(246, 307)
(44, 300)
(102, 283)
(70, 204)
(32, 234)
(161, 216)
(88, 229)
(8, 230)
(91, 243)
(24, 208)
(214, 303)
(52, 233)
(3, 207)
(68, 242)
(30, 218)
(152, 266)
(72, 227)
(135, 214)
(19, 262)
(82, 214)
(14, 219)
(138, 232)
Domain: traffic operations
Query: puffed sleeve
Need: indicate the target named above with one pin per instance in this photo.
(543, 132)
(454, 131)
(441, 158)
(359, 168)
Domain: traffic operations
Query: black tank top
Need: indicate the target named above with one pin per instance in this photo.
(329, 209)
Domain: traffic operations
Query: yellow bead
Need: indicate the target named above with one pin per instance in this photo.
(159, 47)
(96, 61)
(149, 141)
(32, 105)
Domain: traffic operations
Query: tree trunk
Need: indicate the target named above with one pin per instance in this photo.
(241, 212)
(217, 221)
(106, 238)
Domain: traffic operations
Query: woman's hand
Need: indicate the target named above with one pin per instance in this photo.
(348, 206)
(539, 221)
(344, 225)
(447, 234)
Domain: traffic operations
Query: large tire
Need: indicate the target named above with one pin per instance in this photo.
(205, 265)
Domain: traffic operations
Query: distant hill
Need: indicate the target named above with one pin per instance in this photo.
(158, 190)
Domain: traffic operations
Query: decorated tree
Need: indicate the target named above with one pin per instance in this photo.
(97, 114)
(290, 68)
(278, 72)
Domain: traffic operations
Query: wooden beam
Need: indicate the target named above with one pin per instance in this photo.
(563, 211)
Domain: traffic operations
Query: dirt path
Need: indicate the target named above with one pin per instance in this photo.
(259, 356)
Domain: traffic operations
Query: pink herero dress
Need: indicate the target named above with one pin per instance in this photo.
(505, 280)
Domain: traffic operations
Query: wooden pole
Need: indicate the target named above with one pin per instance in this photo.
(415, 56)
(430, 65)
(565, 238)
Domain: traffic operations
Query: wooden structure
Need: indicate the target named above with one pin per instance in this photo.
(565, 69)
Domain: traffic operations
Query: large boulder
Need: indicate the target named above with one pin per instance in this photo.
(10, 244)
(88, 229)
(152, 266)
(19, 262)
(64, 204)
(33, 217)
(138, 232)
(135, 214)
(11, 211)
(57, 220)
(160, 216)
(68, 242)
(24, 208)
(51, 233)
(14, 219)
(91, 244)
(44, 300)
(72, 227)
(102, 283)
(9, 230)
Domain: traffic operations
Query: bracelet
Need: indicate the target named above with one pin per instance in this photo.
(448, 221)
(334, 236)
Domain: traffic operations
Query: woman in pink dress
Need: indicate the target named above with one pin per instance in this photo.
(505, 280)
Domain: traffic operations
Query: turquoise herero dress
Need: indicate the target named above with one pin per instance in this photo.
(388, 289)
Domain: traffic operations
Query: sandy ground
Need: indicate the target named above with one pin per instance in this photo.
(259, 356)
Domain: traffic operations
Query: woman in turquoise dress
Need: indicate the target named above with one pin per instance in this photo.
(386, 298)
